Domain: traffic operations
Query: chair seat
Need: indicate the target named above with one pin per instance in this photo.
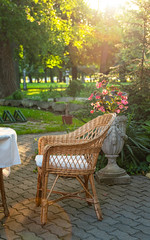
(69, 162)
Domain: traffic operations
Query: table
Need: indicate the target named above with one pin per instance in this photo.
(9, 156)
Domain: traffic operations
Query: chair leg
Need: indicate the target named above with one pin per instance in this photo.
(4, 203)
(86, 179)
(96, 202)
(44, 203)
(44, 211)
(39, 188)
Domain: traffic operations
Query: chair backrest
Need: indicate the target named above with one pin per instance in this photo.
(94, 129)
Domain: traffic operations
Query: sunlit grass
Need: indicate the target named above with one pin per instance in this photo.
(38, 121)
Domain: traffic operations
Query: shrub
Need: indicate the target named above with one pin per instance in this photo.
(74, 88)
(17, 95)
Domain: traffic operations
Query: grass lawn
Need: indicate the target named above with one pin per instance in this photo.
(38, 121)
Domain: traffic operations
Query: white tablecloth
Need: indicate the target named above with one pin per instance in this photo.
(9, 154)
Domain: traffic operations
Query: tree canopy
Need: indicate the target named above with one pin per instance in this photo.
(47, 37)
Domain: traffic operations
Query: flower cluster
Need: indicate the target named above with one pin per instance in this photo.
(108, 99)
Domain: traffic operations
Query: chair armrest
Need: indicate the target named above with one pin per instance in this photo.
(64, 156)
(55, 139)
(77, 148)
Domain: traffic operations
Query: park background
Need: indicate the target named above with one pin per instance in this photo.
(52, 49)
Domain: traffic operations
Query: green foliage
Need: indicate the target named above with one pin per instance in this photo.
(74, 88)
(136, 149)
(45, 121)
(17, 95)
(139, 105)
(87, 90)
(134, 48)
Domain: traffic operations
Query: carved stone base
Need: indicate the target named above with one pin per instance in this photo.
(112, 177)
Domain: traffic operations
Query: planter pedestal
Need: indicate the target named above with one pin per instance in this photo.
(112, 174)
(112, 146)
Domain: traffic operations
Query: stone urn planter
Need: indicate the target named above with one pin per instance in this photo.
(112, 146)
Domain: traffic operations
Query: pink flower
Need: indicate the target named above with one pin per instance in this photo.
(98, 84)
(97, 104)
(103, 81)
(118, 111)
(124, 97)
(102, 109)
(121, 106)
(119, 93)
(124, 102)
(97, 97)
(104, 92)
(90, 98)
(109, 96)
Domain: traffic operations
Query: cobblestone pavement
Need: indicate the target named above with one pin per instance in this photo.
(126, 208)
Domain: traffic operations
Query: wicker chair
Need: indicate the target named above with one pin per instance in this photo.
(71, 155)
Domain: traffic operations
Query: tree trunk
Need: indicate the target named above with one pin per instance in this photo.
(104, 58)
(142, 78)
(122, 72)
(45, 77)
(74, 73)
(8, 80)
(51, 75)
(30, 78)
(60, 76)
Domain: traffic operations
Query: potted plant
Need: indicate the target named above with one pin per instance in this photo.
(107, 99)
(67, 119)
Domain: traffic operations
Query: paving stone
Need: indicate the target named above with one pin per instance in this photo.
(142, 236)
(126, 228)
(129, 215)
(145, 215)
(49, 236)
(25, 235)
(22, 219)
(14, 226)
(80, 233)
(110, 220)
(144, 221)
(145, 209)
(82, 224)
(101, 225)
(8, 234)
(122, 235)
(76, 238)
(126, 208)
(91, 238)
(144, 229)
(100, 234)
(58, 231)
(123, 220)
(87, 218)
(35, 228)
(62, 223)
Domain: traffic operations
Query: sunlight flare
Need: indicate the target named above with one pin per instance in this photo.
(103, 4)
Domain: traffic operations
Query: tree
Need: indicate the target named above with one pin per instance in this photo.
(37, 27)
(134, 56)
(135, 47)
